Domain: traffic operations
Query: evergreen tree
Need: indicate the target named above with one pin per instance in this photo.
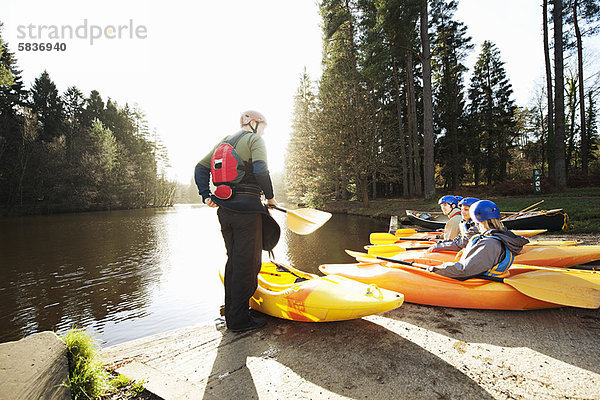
(73, 102)
(46, 103)
(13, 99)
(491, 114)
(344, 120)
(94, 108)
(398, 22)
(450, 45)
(6, 76)
(302, 166)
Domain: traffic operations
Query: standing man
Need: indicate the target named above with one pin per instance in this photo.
(241, 215)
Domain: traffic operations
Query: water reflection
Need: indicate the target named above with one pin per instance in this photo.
(327, 244)
(129, 274)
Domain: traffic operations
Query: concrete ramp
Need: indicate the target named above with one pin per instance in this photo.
(34, 368)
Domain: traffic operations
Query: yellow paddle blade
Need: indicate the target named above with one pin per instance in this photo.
(405, 232)
(363, 257)
(569, 289)
(304, 221)
(385, 250)
(382, 238)
(528, 232)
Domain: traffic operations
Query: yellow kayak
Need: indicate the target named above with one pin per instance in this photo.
(288, 293)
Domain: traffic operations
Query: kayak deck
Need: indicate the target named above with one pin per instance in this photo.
(292, 294)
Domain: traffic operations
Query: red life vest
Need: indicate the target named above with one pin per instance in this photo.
(226, 167)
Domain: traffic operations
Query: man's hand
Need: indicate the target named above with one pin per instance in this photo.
(211, 203)
(271, 202)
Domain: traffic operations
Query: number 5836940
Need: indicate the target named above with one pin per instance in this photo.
(35, 46)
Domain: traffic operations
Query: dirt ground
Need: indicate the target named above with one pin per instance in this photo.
(413, 352)
(587, 238)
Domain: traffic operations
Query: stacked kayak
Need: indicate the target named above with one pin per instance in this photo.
(381, 238)
(286, 292)
(423, 287)
(547, 256)
(552, 220)
(407, 234)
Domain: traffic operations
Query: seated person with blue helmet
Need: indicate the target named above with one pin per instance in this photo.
(449, 206)
(491, 252)
(467, 227)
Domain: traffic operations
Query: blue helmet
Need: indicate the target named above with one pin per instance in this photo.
(459, 198)
(483, 210)
(468, 201)
(448, 199)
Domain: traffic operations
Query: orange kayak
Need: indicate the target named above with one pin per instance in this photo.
(546, 256)
(422, 287)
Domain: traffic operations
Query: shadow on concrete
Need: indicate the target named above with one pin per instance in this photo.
(356, 359)
(571, 335)
(231, 364)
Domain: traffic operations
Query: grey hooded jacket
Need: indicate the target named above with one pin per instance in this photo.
(482, 255)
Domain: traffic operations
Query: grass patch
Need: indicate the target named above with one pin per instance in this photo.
(88, 379)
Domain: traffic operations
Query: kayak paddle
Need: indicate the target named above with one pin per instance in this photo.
(405, 232)
(304, 221)
(390, 250)
(523, 211)
(388, 238)
(556, 287)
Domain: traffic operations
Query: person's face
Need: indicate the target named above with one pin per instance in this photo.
(261, 128)
(446, 208)
(464, 211)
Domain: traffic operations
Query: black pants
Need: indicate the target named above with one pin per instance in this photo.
(242, 233)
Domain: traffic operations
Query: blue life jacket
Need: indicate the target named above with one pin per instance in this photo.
(502, 267)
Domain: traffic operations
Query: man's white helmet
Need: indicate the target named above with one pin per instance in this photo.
(249, 116)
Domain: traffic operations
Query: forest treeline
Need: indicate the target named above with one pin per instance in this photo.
(393, 115)
(70, 152)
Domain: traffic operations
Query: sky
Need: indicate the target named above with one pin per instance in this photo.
(194, 66)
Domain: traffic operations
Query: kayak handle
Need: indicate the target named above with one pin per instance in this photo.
(371, 290)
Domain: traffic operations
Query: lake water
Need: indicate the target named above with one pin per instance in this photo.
(128, 274)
